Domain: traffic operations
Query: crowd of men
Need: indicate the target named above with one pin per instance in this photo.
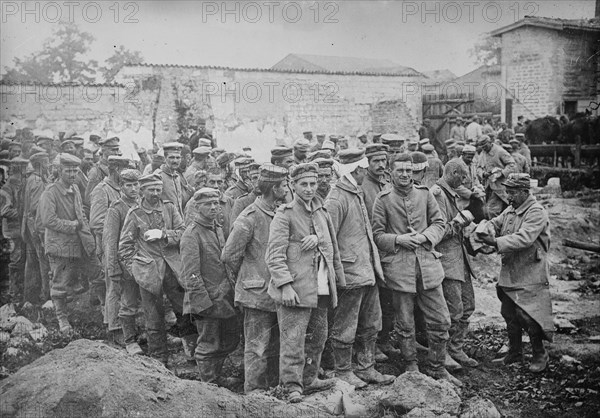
(346, 254)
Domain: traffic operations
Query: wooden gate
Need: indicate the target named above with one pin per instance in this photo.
(440, 109)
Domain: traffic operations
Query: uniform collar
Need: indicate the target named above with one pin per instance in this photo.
(374, 178)
(206, 223)
(167, 170)
(146, 207)
(444, 185)
(345, 184)
(262, 205)
(525, 205)
(112, 184)
(62, 189)
(315, 204)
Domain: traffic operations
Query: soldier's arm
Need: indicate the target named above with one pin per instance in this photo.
(49, 217)
(510, 166)
(440, 198)
(34, 194)
(98, 210)
(534, 222)
(191, 278)
(463, 192)
(338, 267)
(110, 240)
(7, 210)
(93, 180)
(385, 241)
(240, 236)
(276, 255)
(435, 231)
(127, 239)
(336, 210)
(174, 235)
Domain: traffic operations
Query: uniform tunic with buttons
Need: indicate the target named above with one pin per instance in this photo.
(372, 185)
(175, 188)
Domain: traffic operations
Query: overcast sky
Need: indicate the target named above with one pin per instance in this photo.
(423, 35)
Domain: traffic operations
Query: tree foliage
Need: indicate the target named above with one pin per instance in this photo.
(64, 58)
(487, 51)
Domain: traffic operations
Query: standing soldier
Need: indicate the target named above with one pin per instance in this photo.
(457, 284)
(37, 268)
(175, 188)
(202, 161)
(208, 289)
(69, 244)
(11, 211)
(243, 184)
(407, 225)
(357, 318)
(523, 165)
(325, 176)
(435, 167)
(284, 157)
(123, 291)
(82, 180)
(305, 267)
(301, 149)
(523, 240)
(244, 255)
(246, 199)
(149, 250)
(522, 147)
(109, 146)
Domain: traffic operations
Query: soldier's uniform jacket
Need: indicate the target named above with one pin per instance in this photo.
(238, 189)
(11, 207)
(147, 261)
(498, 157)
(105, 193)
(223, 218)
(61, 210)
(358, 252)
(81, 181)
(393, 214)
(525, 152)
(454, 256)
(244, 255)
(96, 174)
(34, 188)
(175, 188)
(240, 204)
(523, 240)
(115, 219)
(287, 262)
(372, 186)
(208, 290)
(434, 171)
(523, 165)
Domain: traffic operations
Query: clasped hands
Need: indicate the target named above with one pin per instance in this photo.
(410, 240)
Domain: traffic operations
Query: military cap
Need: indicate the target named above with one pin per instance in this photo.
(427, 148)
(507, 147)
(281, 151)
(304, 170)
(130, 175)
(112, 142)
(66, 142)
(302, 144)
(77, 140)
(405, 159)
(15, 144)
(322, 153)
(375, 150)
(225, 158)
(272, 173)
(19, 161)
(152, 179)
(246, 148)
(450, 142)
(469, 149)
(118, 161)
(413, 141)
(424, 141)
(254, 167)
(206, 194)
(158, 157)
(484, 139)
(202, 150)
(307, 133)
(458, 148)
(514, 141)
(41, 139)
(38, 157)
(394, 141)
(327, 144)
(519, 135)
(204, 142)
(323, 162)
(69, 160)
(174, 147)
(518, 181)
(376, 136)
(351, 155)
(460, 143)
(243, 163)
(419, 160)
(335, 138)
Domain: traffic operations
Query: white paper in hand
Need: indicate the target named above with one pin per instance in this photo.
(153, 234)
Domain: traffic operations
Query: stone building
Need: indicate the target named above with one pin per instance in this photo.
(549, 66)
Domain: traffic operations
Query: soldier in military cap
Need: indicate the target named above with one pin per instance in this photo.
(37, 268)
(435, 166)
(14, 149)
(246, 199)
(68, 242)
(109, 146)
(522, 237)
(149, 251)
(412, 145)
(175, 187)
(244, 254)
(282, 156)
(123, 292)
(329, 145)
(11, 211)
(325, 176)
(357, 318)
(243, 184)
(322, 153)
(407, 225)
(209, 291)
(301, 149)
(202, 161)
(523, 165)
(45, 143)
(420, 167)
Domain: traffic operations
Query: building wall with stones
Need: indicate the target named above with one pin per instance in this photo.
(261, 108)
(542, 68)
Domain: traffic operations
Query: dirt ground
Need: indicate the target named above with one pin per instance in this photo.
(570, 385)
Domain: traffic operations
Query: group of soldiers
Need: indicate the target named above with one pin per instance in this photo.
(344, 254)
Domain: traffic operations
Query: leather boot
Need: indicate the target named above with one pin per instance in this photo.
(380, 357)
(60, 307)
(116, 337)
(437, 355)
(189, 343)
(365, 362)
(157, 345)
(455, 349)
(319, 385)
(226, 382)
(409, 353)
(515, 346)
(342, 358)
(540, 355)
(451, 364)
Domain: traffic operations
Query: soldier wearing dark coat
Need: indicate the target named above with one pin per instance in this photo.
(175, 188)
(109, 146)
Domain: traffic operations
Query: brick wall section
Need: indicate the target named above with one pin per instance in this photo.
(543, 67)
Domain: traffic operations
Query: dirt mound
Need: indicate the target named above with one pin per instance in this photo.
(88, 378)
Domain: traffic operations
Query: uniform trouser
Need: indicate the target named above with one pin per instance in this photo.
(130, 296)
(261, 351)
(37, 270)
(113, 302)
(65, 271)
(154, 312)
(460, 299)
(303, 332)
(357, 316)
(517, 318)
(387, 314)
(16, 267)
(217, 337)
(434, 308)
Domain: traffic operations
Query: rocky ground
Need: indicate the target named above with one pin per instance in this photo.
(47, 374)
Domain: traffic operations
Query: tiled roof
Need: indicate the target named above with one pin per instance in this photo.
(583, 25)
(63, 84)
